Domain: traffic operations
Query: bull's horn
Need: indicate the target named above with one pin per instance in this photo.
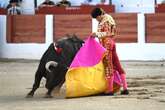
(50, 63)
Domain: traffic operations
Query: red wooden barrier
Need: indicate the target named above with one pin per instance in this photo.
(26, 29)
(81, 25)
(155, 28)
(31, 28)
(3, 11)
(126, 27)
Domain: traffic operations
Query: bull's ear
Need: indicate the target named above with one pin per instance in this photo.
(82, 42)
(75, 38)
(74, 35)
(67, 35)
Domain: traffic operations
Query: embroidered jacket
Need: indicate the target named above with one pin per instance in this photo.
(106, 27)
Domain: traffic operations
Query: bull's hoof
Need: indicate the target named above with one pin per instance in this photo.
(48, 96)
(29, 96)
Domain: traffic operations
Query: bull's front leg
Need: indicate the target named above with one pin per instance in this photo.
(36, 84)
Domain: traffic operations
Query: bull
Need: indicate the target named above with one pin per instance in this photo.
(55, 62)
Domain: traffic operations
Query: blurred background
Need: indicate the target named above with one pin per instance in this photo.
(27, 34)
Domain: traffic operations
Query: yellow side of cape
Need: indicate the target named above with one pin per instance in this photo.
(85, 81)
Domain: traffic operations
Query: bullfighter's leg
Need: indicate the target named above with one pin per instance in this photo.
(118, 67)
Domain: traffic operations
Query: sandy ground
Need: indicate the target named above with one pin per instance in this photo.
(146, 81)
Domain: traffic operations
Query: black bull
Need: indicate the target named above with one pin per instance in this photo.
(61, 53)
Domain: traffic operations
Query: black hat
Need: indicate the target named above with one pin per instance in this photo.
(97, 12)
(14, 1)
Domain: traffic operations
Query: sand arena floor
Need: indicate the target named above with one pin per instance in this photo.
(146, 81)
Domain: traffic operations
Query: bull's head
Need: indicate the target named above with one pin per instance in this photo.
(65, 48)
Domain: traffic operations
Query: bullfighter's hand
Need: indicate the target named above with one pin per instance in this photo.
(93, 35)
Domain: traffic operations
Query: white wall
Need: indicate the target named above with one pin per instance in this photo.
(4, 3)
(126, 51)
(159, 1)
(28, 6)
(138, 6)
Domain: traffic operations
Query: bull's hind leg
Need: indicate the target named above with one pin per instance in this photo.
(49, 85)
(50, 89)
(52, 84)
(48, 94)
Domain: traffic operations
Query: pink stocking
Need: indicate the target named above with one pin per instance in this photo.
(123, 78)
(110, 80)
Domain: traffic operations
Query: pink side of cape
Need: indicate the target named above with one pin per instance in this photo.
(90, 54)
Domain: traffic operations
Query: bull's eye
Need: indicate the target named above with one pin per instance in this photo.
(58, 50)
